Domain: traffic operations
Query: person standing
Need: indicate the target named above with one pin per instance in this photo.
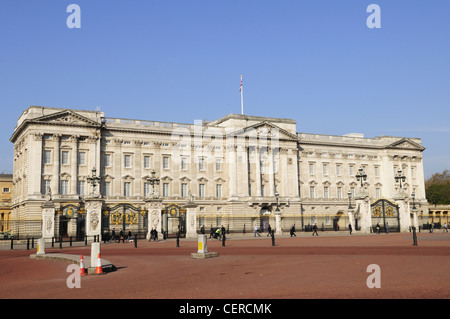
(445, 230)
(387, 228)
(315, 230)
(378, 228)
(269, 231)
(350, 228)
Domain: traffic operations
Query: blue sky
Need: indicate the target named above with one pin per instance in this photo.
(315, 61)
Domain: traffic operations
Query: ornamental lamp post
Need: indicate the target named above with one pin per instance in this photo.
(349, 193)
(277, 196)
(94, 180)
(400, 177)
(153, 181)
(361, 176)
(413, 195)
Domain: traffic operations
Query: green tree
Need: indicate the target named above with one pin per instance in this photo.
(437, 188)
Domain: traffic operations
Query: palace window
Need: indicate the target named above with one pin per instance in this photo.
(127, 161)
(81, 188)
(219, 190)
(82, 158)
(107, 190)
(201, 190)
(64, 187)
(146, 162)
(184, 163)
(218, 165)
(165, 162)
(201, 164)
(311, 169)
(312, 192)
(184, 191)
(146, 188)
(127, 189)
(326, 192)
(165, 189)
(65, 158)
(47, 157)
(107, 160)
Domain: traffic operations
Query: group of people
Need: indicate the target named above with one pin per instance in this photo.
(121, 236)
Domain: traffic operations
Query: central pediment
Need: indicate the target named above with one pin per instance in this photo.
(406, 143)
(66, 117)
(264, 130)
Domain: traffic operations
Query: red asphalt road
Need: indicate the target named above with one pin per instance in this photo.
(303, 267)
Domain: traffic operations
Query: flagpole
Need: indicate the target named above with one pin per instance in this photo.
(242, 98)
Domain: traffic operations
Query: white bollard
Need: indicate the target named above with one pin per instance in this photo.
(41, 246)
(202, 244)
(95, 250)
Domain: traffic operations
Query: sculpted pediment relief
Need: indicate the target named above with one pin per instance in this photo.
(405, 143)
(265, 130)
(67, 117)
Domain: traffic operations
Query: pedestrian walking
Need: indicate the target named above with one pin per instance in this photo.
(257, 231)
(121, 236)
(445, 230)
(387, 228)
(315, 230)
(113, 235)
(350, 228)
(269, 231)
(202, 229)
(292, 231)
(378, 228)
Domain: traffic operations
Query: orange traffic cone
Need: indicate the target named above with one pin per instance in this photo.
(82, 270)
(99, 270)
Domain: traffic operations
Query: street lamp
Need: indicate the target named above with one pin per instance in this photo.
(361, 176)
(277, 196)
(153, 181)
(349, 193)
(400, 177)
(94, 180)
(413, 195)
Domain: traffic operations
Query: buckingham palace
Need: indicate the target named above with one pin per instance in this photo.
(79, 173)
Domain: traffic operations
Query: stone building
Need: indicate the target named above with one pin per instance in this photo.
(238, 171)
(5, 203)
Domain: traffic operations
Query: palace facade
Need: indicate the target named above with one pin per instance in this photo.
(239, 171)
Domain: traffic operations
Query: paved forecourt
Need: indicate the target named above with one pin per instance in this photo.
(331, 265)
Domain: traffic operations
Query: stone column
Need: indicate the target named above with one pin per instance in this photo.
(74, 166)
(48, 219)
(56, 166)
(278, 231)
(257, 171)
(403, 211)
(415, 219)
(35, 180)
(363, 205)
(154, 208)
(93, 216)
(351, 218)
(191, 220)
